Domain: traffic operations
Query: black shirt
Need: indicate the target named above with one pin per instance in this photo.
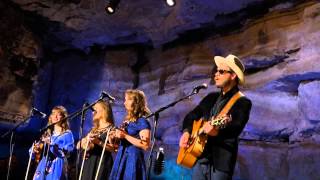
(221, 150)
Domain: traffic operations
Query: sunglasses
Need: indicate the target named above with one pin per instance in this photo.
(222, 71)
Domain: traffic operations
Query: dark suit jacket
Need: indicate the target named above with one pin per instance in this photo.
(221, 150)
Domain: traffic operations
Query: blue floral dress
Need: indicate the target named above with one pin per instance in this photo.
(129, 163)
(55, 167)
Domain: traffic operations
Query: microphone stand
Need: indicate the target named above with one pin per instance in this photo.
(83, 112)
(11, 143)
(155, 120)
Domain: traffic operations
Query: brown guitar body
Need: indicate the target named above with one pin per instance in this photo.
(188, 156)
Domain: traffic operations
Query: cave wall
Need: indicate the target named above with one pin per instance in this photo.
(280, 52)
(20, 51)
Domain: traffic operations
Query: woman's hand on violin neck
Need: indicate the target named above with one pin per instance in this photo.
(95, 141)
(84, 144)
(112, 135)
(91, 137)
(120, 134)
(46, 139)
(36, 150)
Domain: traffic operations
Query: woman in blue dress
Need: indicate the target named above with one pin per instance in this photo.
(135, 139)
(60, 140)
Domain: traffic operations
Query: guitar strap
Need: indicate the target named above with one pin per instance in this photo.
(230, 103)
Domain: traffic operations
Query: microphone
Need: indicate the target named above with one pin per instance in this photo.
(36, 111)
(159, 163)
(86, 105)
(106, 95)
(197, 88)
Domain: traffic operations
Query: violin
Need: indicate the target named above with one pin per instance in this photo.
(116, 141)
(98, 132)
(95, 138)
(113, 140)
(40, 146)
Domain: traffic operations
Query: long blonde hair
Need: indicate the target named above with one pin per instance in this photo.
(63, 112)
(140, 105)
(107, 115)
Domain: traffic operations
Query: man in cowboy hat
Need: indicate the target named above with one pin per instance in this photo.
(218, 159)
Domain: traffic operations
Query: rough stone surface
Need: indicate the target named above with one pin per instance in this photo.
(310, 100)
(81, 24)
(20, 52)
(279, 50)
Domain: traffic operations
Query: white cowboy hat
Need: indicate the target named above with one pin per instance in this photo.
(234, 63)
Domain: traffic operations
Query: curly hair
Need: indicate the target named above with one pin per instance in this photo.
(63, 112)
(140, 106)
(107, 114)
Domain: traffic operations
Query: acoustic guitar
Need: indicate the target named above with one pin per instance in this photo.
(197, 141)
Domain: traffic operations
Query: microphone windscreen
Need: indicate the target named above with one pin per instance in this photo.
(205, 85)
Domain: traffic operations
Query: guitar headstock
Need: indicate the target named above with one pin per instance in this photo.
(221, 121)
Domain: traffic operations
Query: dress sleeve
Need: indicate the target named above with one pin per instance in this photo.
(65, 144)
(143, 124)
(68, 143)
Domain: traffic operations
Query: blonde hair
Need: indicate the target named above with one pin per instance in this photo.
(107, 115)
(140, 106)
(63, 112)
